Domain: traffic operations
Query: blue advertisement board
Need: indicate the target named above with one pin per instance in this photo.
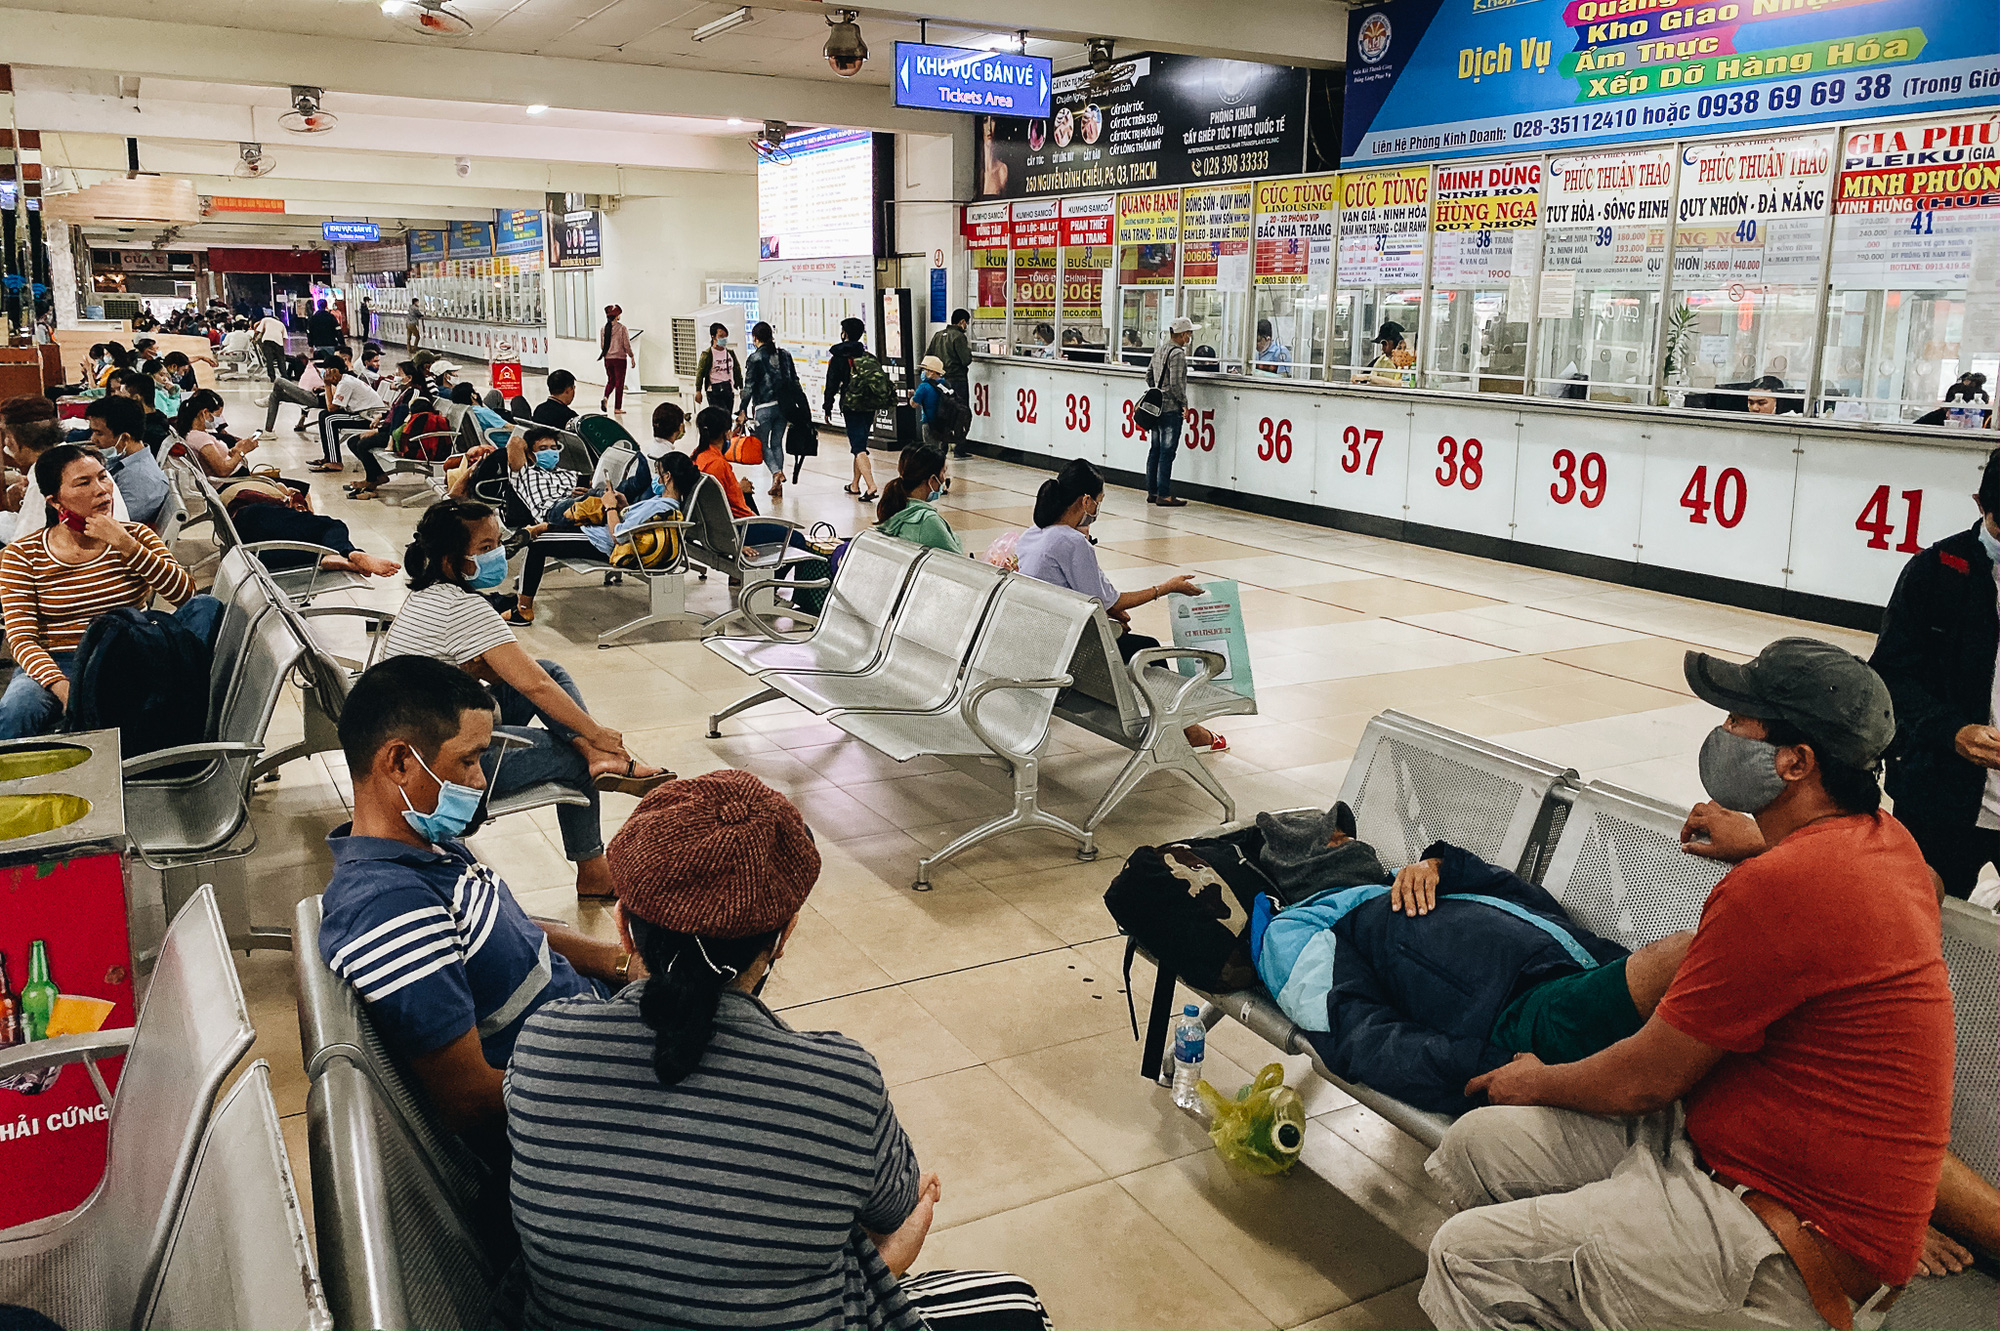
(470, 240)
(425, 246)
(1465, 78)
(517, 231)
(993, 83)
(357, 233)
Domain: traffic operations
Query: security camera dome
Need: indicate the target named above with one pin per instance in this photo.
(846, 52)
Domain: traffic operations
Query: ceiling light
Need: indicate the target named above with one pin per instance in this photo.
(736, 120)
(394, 7)
(846, 53)
(736, 18)
(539, 109)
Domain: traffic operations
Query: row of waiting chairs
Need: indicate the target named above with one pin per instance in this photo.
(196, 1223)
(922, 653)
(1613, 858)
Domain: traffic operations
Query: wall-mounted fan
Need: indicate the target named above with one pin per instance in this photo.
(305, 117)
(434, 18)
(252, 161)
(1106, 75)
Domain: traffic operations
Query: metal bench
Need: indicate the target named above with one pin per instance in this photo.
(238, 1254)
(853, 628)
(999, 707)
(100, 1265)
(1619, 869)
(397, 1197)
(1144, 705)
(301, 584)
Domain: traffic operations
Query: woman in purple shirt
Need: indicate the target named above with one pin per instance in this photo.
(1056, 550)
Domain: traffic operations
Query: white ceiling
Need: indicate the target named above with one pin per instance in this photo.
(347, 104)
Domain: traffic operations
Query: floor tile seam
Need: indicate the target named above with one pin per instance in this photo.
(1219, 1272)
(1612, 674)
(944, 974)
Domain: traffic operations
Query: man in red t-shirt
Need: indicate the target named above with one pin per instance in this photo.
(1766, 1150)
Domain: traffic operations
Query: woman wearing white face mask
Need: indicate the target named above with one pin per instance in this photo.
(905, 510)
(455, 556)
(1056, 550)
(719, 372)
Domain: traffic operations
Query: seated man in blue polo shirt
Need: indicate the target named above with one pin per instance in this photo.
(445, 958)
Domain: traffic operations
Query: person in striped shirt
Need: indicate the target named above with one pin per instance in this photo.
(681, 1156)
(432, 940)
(58, 577)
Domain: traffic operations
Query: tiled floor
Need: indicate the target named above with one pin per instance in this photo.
(995, 1003)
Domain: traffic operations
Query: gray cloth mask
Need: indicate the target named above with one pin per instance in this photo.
(1740, 773)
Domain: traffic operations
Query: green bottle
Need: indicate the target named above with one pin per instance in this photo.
(38, 995)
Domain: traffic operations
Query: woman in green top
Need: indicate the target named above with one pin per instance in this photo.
(906, 510)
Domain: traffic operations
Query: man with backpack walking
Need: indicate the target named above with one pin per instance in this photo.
(857, 379)
(953, 348)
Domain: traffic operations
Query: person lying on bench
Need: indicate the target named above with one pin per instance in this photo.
(1767, 1148)
(432, 940)
(589, 528)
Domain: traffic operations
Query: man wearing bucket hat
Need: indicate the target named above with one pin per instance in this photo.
(1168, 373)
(1767, 1149)
(682, 1157)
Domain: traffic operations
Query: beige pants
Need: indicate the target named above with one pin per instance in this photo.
(1572, 1221)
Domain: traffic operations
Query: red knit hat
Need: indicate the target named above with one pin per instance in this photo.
(721, 855)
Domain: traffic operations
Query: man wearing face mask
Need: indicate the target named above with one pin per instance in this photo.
(431, 939)
(1767, 1149)
(1940, 637)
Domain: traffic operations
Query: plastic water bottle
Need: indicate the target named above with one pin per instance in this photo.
(1190, 1046)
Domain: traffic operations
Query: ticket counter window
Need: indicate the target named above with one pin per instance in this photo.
(1602, 350)
(1361, 316)
(1903, 356)
(986, 290)
(1033, 327)
(1288, 340)
(1145, 300)
(1085, 314)
(1477, 340)
(1727, 345)
(1218, 341)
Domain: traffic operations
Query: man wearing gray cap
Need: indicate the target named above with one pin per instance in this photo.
(1766, 1150)
(1168, 373)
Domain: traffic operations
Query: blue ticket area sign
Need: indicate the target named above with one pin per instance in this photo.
(354, 233)
(952, 78)
(1213, 622)
(1440, 79)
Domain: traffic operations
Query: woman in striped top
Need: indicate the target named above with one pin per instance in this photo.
(681, 1156)
(59, 577)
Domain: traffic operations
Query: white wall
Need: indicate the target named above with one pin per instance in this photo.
(926, 222)
(658, 250)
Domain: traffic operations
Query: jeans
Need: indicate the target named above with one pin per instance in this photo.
(552, 758)
(26, 708)
(767, 422)
(1160, 458)
(287, 390)
(614, 380)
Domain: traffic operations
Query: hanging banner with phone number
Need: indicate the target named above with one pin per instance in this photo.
(1533, 74)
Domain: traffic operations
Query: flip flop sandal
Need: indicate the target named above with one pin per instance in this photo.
(625, 783)
(514, 617)
(849, 490)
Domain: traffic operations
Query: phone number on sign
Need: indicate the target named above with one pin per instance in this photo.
(1779, 100)
(1231, 164)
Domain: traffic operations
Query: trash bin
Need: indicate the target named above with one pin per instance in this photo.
(66, 954)
(506, 365)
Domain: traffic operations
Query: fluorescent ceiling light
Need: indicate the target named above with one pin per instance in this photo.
(539, 109)
(393, 7)
(736, 18)
(735, 120)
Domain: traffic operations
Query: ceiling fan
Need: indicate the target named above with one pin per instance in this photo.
(252, 161)
(1106, 74)
(305, 117)
(433, 18)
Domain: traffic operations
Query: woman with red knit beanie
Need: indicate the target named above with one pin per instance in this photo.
(681, 1156)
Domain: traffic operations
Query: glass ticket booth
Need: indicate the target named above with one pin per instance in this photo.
(1482, 287)
(986, 284)
(1086, 310)
(1033, 329)
(1296, 317)
(1215, 275)
(1359, 315)
(1600, 312)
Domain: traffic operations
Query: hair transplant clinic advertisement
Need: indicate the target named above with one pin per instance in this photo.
(1154, 120)
(1459, 78)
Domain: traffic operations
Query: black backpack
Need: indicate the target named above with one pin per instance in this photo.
(1188, 904)
(145, 674)
(950, 418)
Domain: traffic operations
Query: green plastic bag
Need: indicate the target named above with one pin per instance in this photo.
(1263, 1128)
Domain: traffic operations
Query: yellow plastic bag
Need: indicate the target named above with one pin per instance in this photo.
(1263, 1128)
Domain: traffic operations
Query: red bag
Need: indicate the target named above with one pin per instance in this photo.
(425, 435)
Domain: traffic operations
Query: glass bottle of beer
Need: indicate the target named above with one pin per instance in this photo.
(10, 1009)
(38, 995)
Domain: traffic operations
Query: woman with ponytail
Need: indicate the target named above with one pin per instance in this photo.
(1056, 550)
(906, 511)
(681, 1156)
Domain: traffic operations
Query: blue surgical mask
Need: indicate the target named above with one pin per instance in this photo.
(659, 489)
(456, 807)
(1988, 542)
(933, 496)
(489, 569)
(546, 458)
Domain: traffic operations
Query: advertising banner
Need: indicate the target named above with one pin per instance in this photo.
(989, 270)
(517, 231)
(65, 969)
(1918, 206)
(1483, 216)
(1464, 78)
(984, 226)
(1384, 223)
(576, 238)
(1213, 622)
(1215, 227)
(1294, 230)
(1149, 228)
(1089, 221)
(1036, 225)
(425, 246)
(1153, 120)
(469, 240)
(1752, 212)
